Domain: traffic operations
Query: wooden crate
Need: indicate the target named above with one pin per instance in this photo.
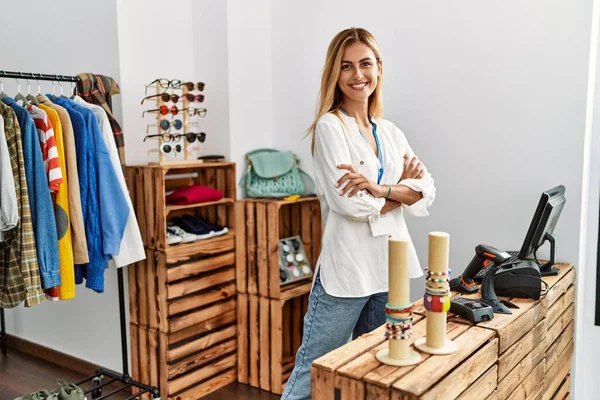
(148, 185)
(353, 371)
(187, 370)
(269, 335)
(257, 246)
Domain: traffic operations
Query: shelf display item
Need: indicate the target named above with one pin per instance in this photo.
(293, 263)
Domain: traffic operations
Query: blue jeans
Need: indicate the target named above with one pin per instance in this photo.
(328, 324)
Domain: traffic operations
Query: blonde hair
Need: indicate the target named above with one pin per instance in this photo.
(330, 95)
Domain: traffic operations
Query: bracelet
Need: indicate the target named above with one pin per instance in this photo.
(389, 191)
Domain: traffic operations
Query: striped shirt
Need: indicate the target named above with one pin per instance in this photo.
(48, 145)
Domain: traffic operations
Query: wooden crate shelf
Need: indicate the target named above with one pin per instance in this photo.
(148, 186)
(182, 298)
(257, 246)
(525, 355)
(269, 335)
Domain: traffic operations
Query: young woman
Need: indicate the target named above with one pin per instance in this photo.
(367, 176)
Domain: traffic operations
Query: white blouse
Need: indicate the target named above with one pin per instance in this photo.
(353, 262)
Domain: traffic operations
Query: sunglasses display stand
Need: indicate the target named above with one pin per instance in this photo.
(186, 147)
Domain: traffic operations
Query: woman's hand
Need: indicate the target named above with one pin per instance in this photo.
(413, 169)
(356, 182)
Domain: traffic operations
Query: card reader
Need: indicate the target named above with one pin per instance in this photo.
(471, 309)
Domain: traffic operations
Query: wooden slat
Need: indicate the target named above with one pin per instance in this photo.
(151, 214)
(521, 371)
(286, 325)
(482, 387)
(214, 369)
(565, 278)
(189, 286)
(322, 384)
(373, 392)
(297, 322)
(192, 268)
(554, 351)
(517, 329)
(306, 232)
(140, 204)
(202, 299)
(240, 247)
(560, 306)
(511, 357)
(273, 236)
(251, 263)
(184, 251)
(208, 386)
(295, 225)
(284, 221)
(265, 343)
(434, 368)
(465, 374)
(531, 386)
(348, 389)
(143, 355)
(254, 328)
(151, 279)
(276, 346)
(135, 351)
(202, 358)
(160, 230)
(243, 335)
(556, 373)
(563, 389)
(202, 343)
(153, 357)
(559, 326)
(261, 250)
(202, 328)
(142, 290)
(133, 293)
(201, 315)
(163, 348)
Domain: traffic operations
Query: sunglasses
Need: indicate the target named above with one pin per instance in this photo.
(192, 136)
(196, 111)
(191, 97)
(164, 97)
(164, 110)
(165, 83)
(191, 85)
(166, 125)
(167, 148)
(166, 137)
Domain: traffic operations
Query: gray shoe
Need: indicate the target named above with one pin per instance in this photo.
(69, 391)
(41, 395)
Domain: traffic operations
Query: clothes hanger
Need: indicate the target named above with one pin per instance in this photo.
(2, 94)
(74, 91)
(29, 96)
(20, 96)
(61, 90)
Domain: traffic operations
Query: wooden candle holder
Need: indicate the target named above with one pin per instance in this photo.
(399, 352)
(437, 298)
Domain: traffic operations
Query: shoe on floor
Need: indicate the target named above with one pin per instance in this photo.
(41, 395)
(173, 239)
(69, 391)
(190, 225)
(186, 237)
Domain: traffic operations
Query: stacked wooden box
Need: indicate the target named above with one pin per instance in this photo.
(525, 355)
(182, 298)
(270, 316)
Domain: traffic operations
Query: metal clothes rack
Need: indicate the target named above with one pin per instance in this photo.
(98, 382)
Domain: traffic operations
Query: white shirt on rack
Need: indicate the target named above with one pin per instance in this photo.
(132, 247)
(9, 212)
(353, 262)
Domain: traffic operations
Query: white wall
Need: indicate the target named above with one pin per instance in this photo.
(43, 37)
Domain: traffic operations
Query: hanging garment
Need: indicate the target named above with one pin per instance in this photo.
(93, 272)
(51, 164)
(80, 249)
(19, 269)
(96, 89)
(131, 248)
(9, 211)
(62, 214)
(42, 211)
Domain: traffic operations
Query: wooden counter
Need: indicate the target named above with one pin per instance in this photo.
(526, 355)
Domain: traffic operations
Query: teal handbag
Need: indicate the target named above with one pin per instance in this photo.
(273, 173)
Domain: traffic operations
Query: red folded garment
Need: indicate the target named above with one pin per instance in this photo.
(194, 194)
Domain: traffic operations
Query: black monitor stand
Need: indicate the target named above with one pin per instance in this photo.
(548, 269)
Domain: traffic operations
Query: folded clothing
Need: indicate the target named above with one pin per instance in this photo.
(194, 194)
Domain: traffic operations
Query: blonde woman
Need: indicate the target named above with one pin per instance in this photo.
(367, 176)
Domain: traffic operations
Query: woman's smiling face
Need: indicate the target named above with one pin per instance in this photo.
(359, 72)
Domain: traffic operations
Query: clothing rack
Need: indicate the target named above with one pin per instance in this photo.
(101, 373)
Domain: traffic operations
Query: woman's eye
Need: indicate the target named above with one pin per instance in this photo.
(366, 64)
(346, 67)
